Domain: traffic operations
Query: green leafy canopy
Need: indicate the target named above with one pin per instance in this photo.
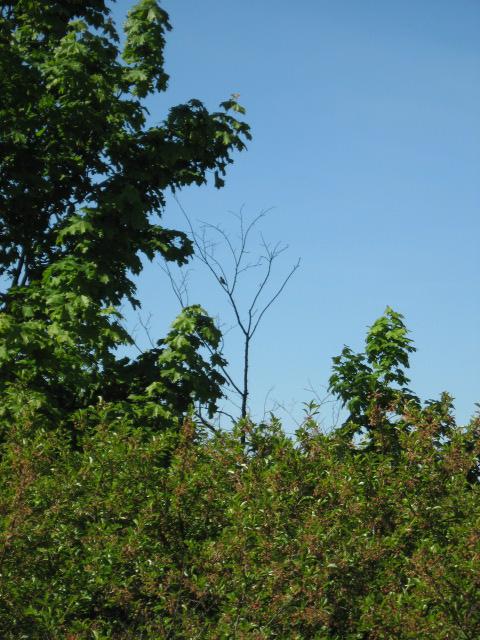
(83, 179)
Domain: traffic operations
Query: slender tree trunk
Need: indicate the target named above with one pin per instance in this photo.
(246, 353)
(18, 270)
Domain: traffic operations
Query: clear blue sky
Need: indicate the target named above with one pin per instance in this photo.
(366, 125)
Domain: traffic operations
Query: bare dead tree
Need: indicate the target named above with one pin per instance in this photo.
(227, 272)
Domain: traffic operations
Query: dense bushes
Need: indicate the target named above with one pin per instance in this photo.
(174, 535)
(136, 528)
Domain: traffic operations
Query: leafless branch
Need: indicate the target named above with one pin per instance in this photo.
(145, 324)
(227, 272)
(279, 291)
(324, 400)
(179, 287)
(206, 423)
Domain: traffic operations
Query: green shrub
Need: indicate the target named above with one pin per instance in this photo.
(143, 535)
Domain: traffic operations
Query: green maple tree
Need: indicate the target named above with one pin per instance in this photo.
(83, 179)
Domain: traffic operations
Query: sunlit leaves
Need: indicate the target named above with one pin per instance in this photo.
(83, 182)
(150, 535)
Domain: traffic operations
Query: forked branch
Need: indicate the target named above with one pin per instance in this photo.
(227, 270)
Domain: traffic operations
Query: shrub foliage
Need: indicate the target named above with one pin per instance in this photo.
(138, 534)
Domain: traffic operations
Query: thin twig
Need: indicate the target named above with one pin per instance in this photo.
(227, 275)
